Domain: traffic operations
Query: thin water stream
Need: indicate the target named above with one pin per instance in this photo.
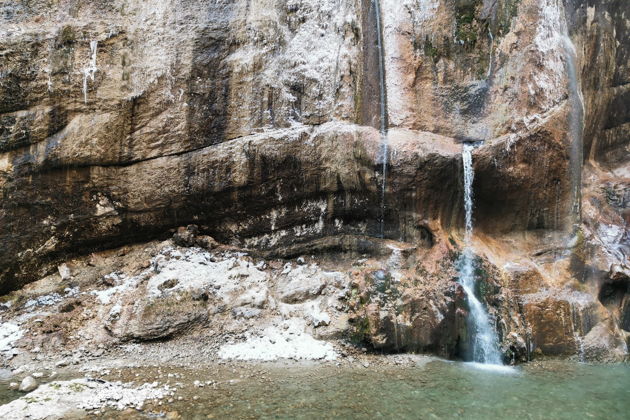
(484, 339)
(90, 70)
(576, 129)
(384, 152)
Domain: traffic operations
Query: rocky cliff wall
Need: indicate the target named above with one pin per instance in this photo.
(256, 120)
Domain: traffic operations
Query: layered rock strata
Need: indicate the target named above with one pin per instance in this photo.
(256, 120)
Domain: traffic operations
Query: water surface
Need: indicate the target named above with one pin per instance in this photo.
(432, 389)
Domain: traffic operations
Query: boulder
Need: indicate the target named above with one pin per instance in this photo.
(602, 344)
(418, 314)
(28, 384)
(157, 318)
(302, 283)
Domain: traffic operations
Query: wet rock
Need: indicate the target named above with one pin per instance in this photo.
(5, 374)
(28, 384)
(515, 349)
(601, 344)
(524, 279)
(404, 318)
(552, 329)
(625, 314)
(613, 292)
(557, 319)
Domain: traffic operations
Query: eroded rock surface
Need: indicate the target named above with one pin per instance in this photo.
(258, 122)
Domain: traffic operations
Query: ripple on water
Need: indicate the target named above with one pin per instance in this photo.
(434, 389)
(502, 369)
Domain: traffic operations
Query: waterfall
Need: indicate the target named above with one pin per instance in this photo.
(90, 70)
(576, 129)
(560, 56)
(383, 111)
(491, 51)
(484, 342)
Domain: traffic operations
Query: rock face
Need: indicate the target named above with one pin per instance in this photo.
(257, 121)
(404, 308)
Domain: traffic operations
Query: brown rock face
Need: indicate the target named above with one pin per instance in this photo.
(257, 121)
(554, 333)
(405, 316)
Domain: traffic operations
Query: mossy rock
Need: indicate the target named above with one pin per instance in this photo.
(505, 11)
(466, 22)
(431, 51)
(76, 387)
(360, 331)
(67, 36)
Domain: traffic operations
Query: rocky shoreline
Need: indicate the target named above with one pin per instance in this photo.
(189, 304)
(229, 185)
(225, 303)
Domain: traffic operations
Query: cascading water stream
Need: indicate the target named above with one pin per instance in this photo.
(383, 112)
(484, 339)
(491, 52)
(576, 129)
(90, 70)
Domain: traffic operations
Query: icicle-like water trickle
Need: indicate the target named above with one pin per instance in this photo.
(484, 339)
(90, 70)
(561, 58)
(576, 129)
(384, 152)
(491, 52)
(579, 343)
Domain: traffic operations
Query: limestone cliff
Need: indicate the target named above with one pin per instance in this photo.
(257, 120)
